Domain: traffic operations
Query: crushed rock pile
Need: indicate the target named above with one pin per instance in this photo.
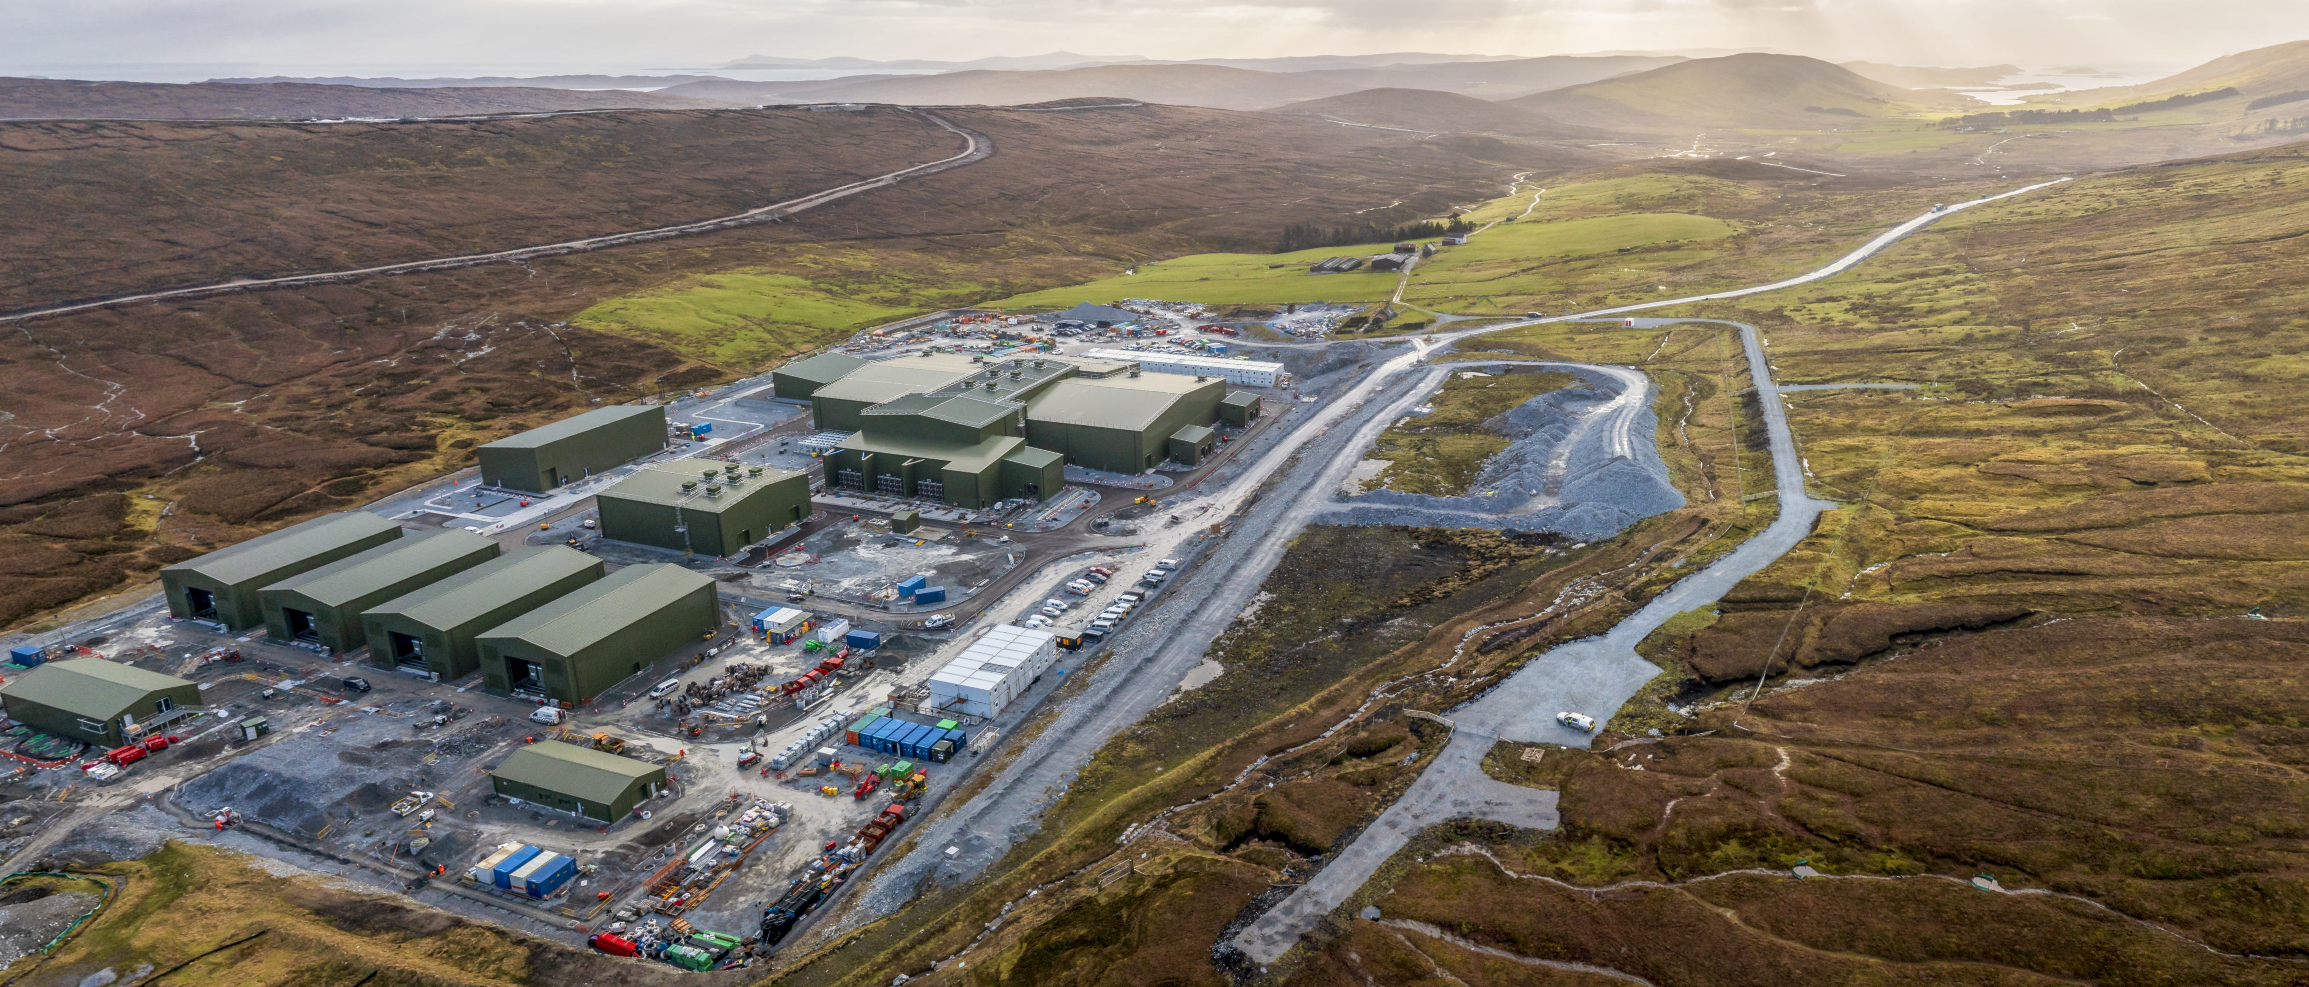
(1595, 495)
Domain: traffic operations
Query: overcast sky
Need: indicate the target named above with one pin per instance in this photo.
(468, 36)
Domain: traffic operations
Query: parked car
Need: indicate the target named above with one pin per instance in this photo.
(1130, 598)
(355, 683)
(1577, 721)
(1167, 565)
(547, 715)
(1056, 602)
(938, 620)
(665, 688)
(1103, 624)
(1096, 578)
(1038, 620)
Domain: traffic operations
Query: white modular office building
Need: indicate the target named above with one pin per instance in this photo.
(1249, 373)
(993, 671)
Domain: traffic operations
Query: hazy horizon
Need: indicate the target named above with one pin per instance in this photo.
(147, 40)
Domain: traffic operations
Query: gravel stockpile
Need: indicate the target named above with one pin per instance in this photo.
(1564, 472)
(32, 916)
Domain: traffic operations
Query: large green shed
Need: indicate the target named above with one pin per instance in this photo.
(94, 701)
(1239, 408)
(1121, 424)
(576, 647)
(699, 510)
(222, 585)
(431, 631)
(800, 380)
(836, 406)
(324, 606)
(596, 785)
(573, 448)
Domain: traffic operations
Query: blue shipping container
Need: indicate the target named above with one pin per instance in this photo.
(28, 655)
(918, 742)
(864, 640)
(908, 585)
(880, 740)
(547, 879)
(701, 428)
(905, 740)
(960, 739)
(503, 874)
(930, 594)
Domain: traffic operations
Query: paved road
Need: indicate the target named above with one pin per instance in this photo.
(1595, 676)
(976, 147)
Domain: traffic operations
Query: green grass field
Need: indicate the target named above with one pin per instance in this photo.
(738, 319)
(1227, 279)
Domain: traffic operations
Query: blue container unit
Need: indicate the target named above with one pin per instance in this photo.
(863, 640)
(918, 743)
(881, 737)
(28, 655)
(545, 875)
(911, 584)
(701, 428)
(502, 874)
(930, 594)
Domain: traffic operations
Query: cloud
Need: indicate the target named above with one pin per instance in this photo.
(486, 36)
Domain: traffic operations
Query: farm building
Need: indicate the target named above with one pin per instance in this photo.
(94, 701)
(222, 585)
(573, 448)
(718, 514)
(1249, 373)
(324, 606)
(993, 671)
(431, 631)
(576, 647)
(595, 785)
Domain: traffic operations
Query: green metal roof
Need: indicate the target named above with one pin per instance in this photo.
(1127, 403)
(90, 687)
(825, 368)
(887, 380)
(579, 772)
(577, 425)
(268, 553)
(578, 621)
(661, 484)
(1240, 399)
(355, 576)
(1033, 457)
(485, 587)
(967, 458)
(1192, 434)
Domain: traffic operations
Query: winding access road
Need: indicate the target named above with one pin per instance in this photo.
(976, 147)
(1595, 675)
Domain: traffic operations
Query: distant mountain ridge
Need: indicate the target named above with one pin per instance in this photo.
(1751, 90)
(1923, 77)
(52, 99)
(1435, 112)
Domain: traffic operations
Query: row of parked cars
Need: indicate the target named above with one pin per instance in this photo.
(1089, 583)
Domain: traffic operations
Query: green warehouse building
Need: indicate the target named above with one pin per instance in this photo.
(574, 448)
(324, 606)
(800, 380)
(431, 631)
(94, 701)
(687, 508)
(576, 647)
(581, 781)
(970, 432)
(222, 586)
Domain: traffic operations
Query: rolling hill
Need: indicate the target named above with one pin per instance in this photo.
(2260, 74)
(1496, 79)
(1213, 86)
(1926, 77)
(51, 99)
(1736, 91)
(1434, 112)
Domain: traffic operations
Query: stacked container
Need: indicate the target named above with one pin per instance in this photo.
(502, 874)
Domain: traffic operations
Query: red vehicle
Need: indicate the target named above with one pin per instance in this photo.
(125, 756)
(612, 945)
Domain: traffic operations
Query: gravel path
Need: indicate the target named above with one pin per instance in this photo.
(1593, 675)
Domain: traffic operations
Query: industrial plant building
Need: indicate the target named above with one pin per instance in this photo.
(584, 782)
(1249, 373)
(94, 701)
(989, 674)
(576, 647)
(431, 631)
(223, 585)
(686, 508)
(574, 448)
(970, 432)
(323, 606)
